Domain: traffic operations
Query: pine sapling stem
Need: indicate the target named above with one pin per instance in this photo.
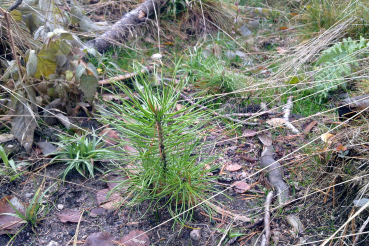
(163, 156)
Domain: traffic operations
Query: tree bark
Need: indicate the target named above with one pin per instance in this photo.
(122, 30)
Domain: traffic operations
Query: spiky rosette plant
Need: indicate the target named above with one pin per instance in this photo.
(162, 142)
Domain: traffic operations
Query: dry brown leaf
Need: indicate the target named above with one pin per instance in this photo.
(114, 182)
(179, 106)
(233, 167)
(142, 240)
(265, 139)
(327, 137)
(100, 239)
(248, 133)
(310, 126)
(10, 224)
(110, 202)
(281, 50)
(241, 187)
(109, 135)
(276, 121)
(67, 215)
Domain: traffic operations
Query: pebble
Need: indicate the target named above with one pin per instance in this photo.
(195, 235)
(28, 195)
(53, 243)
(60, 206)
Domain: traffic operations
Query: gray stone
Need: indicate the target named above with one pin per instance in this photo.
(53, 243)
(245, 31)
(195, 235)
(254, 24)
(241, 54)
(28, 195)
(230, 55)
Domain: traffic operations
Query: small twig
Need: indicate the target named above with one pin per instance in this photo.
(124, 77)
(228, 213)
(267, 218)
(361, 230)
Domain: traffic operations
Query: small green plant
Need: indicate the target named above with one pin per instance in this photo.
(34, 212)
(231, 236)
(165, 163)
(81, 153)
(207, 72)
(337, 62)
(11, 169)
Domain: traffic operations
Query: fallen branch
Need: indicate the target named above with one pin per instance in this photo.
(267, 219)
(287, 111)
(275, 174)
(275, 177)
(123, 29)
(147, 69)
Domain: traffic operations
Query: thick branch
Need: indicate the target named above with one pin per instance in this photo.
(122, 30)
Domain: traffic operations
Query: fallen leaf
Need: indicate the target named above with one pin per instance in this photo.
(115, 182)
(281, 50)
(340, 147)
(10, 224)
(110, 134)
(265, 139)
(241, 187)
(110, 202)
(248, 133)
(233, 168)
(97, 211)
(276, 122)
(142, 240)
(67, 215)
(327, 137)
(6, 137)
(310, 126)
(64, 120)
(100, 239)
(46, 148)
(179, 106)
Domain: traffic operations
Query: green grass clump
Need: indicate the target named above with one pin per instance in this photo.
(81, 153)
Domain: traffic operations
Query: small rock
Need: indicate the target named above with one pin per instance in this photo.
(53, 243)
(206, 53)
(254, 23)
(156, 57)
(241, 54)
(28, 195)
(195, 235)
(230, 55)
(60, 206)
(245, 31)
